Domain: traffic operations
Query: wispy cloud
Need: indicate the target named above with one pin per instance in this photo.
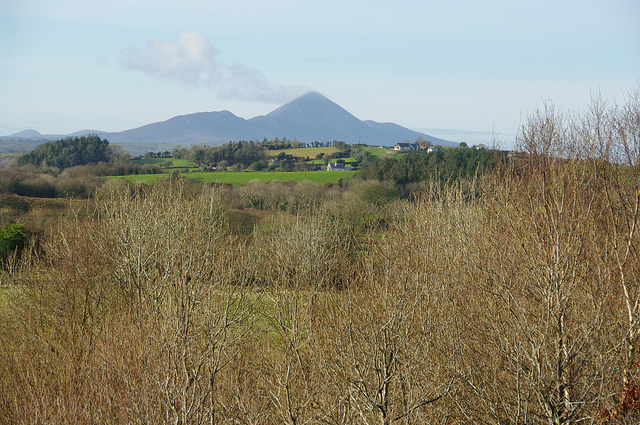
(191, 59)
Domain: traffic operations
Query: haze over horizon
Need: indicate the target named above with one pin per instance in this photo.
(464, 65)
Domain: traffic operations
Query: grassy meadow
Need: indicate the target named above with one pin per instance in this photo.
(311, 153)
(32, 210)
(170, 163)
(378, 152)
(240, 178)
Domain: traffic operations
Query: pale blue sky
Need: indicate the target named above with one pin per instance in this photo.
(68, 65)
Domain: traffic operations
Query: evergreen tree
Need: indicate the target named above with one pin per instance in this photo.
(69, 152)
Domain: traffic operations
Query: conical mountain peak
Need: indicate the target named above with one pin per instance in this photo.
(310, 117)
(312, 103)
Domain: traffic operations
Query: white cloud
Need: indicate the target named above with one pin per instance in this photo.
(242, 82)
(191, 59)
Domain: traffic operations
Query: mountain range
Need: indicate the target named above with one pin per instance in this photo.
(308, 118)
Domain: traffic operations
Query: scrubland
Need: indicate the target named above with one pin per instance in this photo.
(511, 298)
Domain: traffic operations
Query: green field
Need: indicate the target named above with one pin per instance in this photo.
(375, 151)
(174, 163)
(240, 178)
(378, 152)
(321, 161)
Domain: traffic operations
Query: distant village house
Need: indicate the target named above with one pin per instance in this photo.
(407, 147)
(337, 166)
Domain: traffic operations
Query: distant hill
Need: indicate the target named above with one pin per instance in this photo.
(25, 141)
(30, 134)
(311, 117)
(33, 135)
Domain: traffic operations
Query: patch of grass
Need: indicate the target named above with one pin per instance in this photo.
(348, 160)
(32, 210)
(379, 152)
(237, 179)
(174, 163)
(142, 178)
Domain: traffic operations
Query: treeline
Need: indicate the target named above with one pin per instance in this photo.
(277, 144)
(244, 154)
(69, 152)
(445, 165)
(280, 144)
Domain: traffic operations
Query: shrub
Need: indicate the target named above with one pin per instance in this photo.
(12, 239)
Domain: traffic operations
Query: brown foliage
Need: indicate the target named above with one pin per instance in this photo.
(627, 411)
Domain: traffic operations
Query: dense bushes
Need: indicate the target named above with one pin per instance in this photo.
(12, 239)
(104, 169)
(279, 196)
(75, 182)
(38, 184)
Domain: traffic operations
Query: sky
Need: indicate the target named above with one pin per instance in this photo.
(457, 66)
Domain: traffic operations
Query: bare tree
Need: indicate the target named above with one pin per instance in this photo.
(550, 350)
(392, 340)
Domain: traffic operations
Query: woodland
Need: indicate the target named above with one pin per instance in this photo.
(507, 294)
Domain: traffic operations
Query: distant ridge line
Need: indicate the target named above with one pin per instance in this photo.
(308, 118)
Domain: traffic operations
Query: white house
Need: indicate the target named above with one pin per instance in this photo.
(337, 166)
(407, 147)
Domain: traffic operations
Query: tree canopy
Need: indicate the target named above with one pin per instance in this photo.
(449, 164)
(69, 152)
